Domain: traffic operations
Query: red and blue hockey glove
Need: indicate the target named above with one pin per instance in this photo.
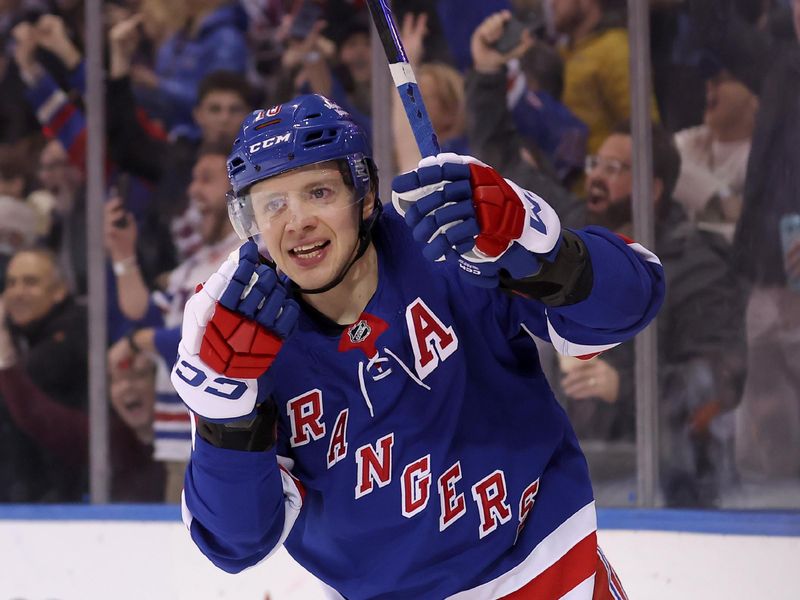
(233, 328)
(463, 210)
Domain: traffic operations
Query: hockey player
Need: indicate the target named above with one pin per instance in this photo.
(377, 406)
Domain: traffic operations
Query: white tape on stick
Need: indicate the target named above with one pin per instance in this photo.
(402, 73)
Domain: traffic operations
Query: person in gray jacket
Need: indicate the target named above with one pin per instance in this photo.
(701, 348)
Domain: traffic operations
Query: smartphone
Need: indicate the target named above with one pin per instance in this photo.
(512, 35)
(309, 13)
(790, 235)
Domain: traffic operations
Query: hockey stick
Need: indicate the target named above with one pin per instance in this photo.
(403, 77)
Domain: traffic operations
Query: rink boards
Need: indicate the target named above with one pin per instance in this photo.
(135, 552)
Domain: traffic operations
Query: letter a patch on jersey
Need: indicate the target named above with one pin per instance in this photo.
(431, 340)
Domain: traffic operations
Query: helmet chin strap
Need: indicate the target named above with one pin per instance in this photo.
(364, 240)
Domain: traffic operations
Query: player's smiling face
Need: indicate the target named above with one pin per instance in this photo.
(308, 219)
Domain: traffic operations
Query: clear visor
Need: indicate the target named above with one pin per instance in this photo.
(315, 191)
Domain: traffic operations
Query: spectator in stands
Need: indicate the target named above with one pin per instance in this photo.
(208, 194)
(223, 100)
(61, 118)
(701, 346)
(57, 114)
(131, 389)
(442, 87)
(43, 374)
(339, 69)
(160, 21)
(535, 84)
(535, 96)
(20, 222)
(67, 233)
(132, 392)
(494, 137)
(768, 423)
(596, 62)
(354, 70)
(43, 388)
(17, 120)
(714, 155)
(458, 20)
(212, 39)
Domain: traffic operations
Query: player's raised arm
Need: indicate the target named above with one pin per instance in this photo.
(597, 289)
(233, 328)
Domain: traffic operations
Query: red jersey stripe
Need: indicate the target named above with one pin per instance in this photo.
(577, 565)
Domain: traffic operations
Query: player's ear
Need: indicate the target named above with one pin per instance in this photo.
(368, 205)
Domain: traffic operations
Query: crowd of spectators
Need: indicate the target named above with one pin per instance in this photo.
(548, 107)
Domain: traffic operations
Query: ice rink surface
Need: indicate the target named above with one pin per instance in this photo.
(134, 552)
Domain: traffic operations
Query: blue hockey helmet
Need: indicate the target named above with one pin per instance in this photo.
(308, 130)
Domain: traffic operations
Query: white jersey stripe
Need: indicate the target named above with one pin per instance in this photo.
(172, 449)
(567, 348)
(186, 515)
(50, 107)
(545, 554)
(184, 426)
(644, 253)
(171, 408)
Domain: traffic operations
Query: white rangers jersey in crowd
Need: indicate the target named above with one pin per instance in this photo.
(171, 423)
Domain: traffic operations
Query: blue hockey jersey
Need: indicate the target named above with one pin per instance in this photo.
(421, 452)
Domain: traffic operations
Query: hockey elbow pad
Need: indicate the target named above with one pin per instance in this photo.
(566, 280)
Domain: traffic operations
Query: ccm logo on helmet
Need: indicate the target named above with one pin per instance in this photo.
(272, 141)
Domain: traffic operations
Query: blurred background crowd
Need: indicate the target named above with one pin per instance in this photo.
(539, 89)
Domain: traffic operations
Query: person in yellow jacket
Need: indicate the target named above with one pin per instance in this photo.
(596, 64)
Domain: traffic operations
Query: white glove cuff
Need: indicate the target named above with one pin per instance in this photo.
(208, 393)
(543, 229)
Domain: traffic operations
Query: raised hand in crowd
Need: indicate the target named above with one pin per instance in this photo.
(120, 231)
(52, 35)
(120, 237)
(311, 55)
(413, 32)
(315, 45)
(122, 41)
(486, 58)
(25, 44)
